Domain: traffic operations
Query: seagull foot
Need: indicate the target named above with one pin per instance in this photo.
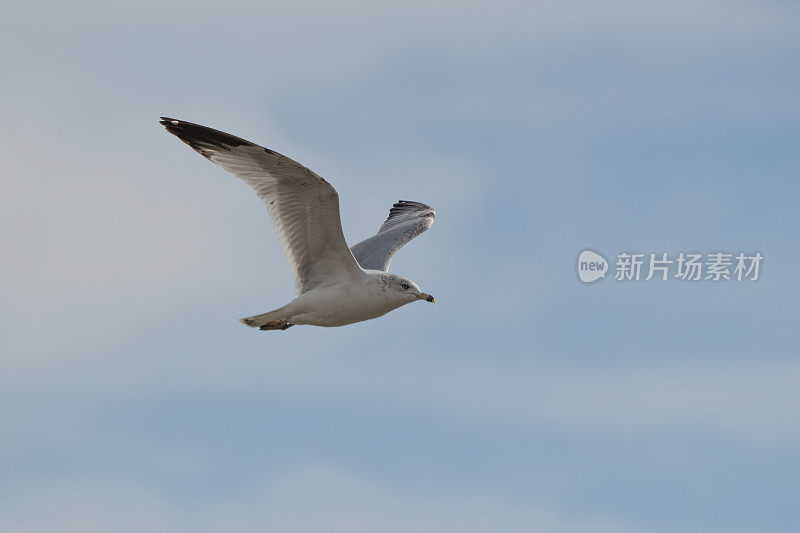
(275, 324)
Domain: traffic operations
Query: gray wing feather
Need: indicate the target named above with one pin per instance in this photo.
(406, 221)
(303, 207)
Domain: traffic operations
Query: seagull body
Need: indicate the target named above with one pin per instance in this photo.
(336, 285)
(344, 303)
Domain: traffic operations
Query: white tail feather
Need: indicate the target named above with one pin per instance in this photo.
(256, 321)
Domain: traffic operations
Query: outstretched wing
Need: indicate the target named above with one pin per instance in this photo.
(406, 221)
(303, 207)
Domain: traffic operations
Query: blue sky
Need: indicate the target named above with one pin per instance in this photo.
(523, 401)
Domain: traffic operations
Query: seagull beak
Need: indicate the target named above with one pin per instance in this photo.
(427, 298)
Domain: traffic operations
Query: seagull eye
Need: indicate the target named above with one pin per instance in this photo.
(405, 286)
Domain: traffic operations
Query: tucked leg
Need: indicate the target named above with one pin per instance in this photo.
(275, 324)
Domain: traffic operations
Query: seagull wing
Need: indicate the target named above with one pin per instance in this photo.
(406, 221)
(303, 207)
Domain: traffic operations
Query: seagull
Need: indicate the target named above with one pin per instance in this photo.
(336, 285)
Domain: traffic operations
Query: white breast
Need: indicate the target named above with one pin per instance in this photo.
(342, 304)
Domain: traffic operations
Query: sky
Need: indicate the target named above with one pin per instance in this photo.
(524, 400)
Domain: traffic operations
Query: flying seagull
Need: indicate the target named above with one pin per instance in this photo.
(336, 285)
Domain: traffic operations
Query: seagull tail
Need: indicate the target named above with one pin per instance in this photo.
(273, 320)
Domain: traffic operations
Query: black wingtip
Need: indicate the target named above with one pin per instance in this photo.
(196, 135)
(406, 206)
(169, 123)
(173, 125)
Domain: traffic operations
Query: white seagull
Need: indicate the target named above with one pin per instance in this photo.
(336, 285)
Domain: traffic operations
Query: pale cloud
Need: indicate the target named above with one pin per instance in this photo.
(744, 401)
(342, 501)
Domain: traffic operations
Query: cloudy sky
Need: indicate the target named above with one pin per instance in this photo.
(524, 400)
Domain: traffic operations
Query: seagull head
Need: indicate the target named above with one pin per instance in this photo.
(405, 289)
